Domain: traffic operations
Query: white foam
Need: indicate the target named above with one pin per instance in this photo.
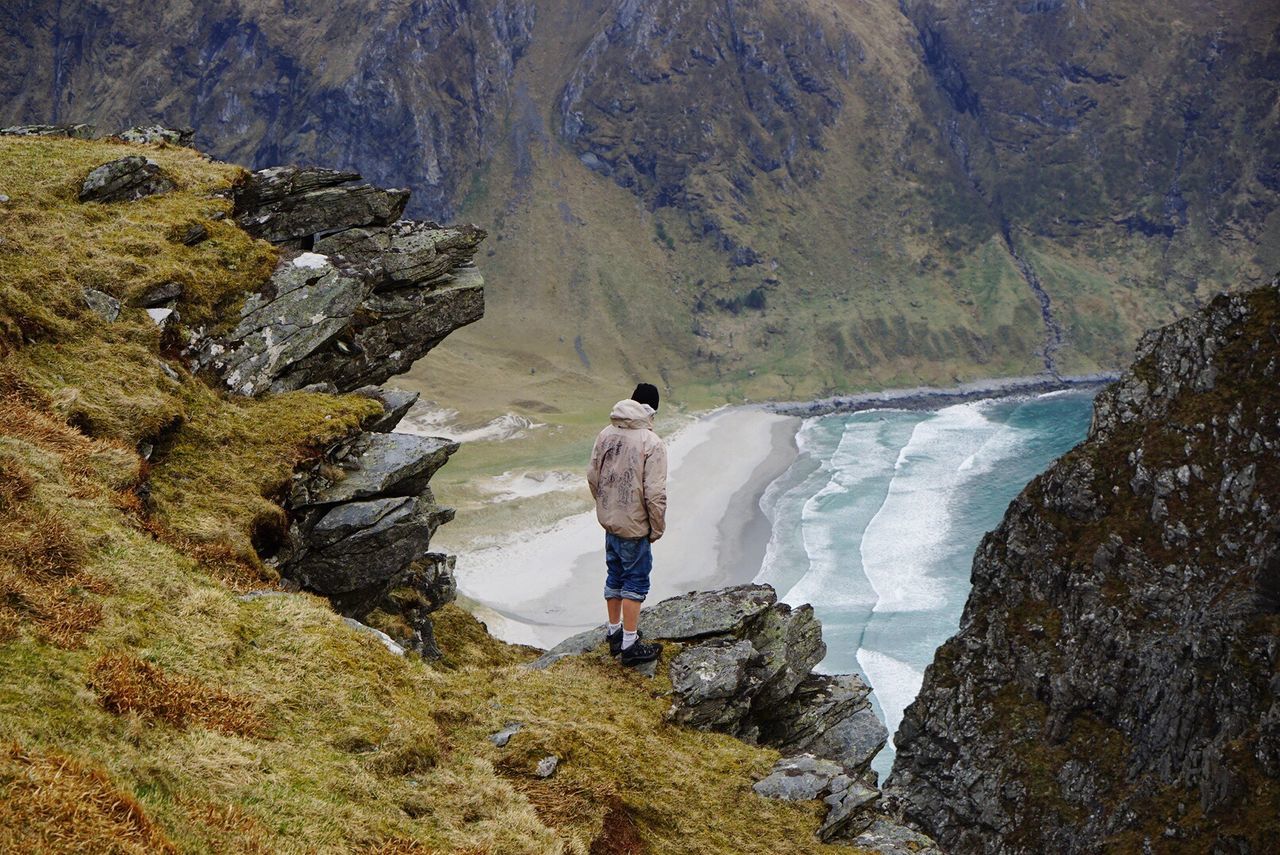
(908, 535)
(828, 519)
(894, 682)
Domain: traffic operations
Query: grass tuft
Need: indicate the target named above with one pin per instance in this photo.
(50, 803)
(126, 684)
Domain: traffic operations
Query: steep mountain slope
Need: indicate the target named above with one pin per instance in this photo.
(160, 472)
(1114, 683)
(746, 197)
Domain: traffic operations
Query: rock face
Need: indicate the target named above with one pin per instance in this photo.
(372, 298)
(1114, 682)
(744, 667)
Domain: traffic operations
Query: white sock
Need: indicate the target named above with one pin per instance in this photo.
(628, 638)
(613, 627)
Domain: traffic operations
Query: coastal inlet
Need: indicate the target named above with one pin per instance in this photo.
(876, 523)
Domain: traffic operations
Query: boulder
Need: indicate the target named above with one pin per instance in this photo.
(403, 254)
(124, 180)
(702, 614)
(277, 183)
(102, 304)
(402, 604)
(799, 779)
(305, 306)
(359, 544)
(159, 134)
(851, 741)
(807, 777)
(886, 837)
(816, 704)
(790, 645)
(317, 322)
(848, 811)
(713, 685)
(159, 295)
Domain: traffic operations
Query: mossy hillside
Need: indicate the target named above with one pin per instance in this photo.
(186, 717)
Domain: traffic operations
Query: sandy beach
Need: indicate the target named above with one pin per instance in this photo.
(540, 587)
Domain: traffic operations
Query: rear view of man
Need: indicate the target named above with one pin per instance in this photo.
(628, 480)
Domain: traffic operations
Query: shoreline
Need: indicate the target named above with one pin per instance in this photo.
(540, 586)
(935, 397)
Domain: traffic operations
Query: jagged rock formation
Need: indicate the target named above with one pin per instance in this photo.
(358, 297)
(1114, 683)
(745, 668)
(366, 297)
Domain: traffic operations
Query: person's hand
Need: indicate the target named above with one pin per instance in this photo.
(653, 538)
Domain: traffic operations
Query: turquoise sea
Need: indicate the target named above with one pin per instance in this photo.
(877, 521)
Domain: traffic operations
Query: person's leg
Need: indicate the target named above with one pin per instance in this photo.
(630, 610)
(613, 583)
(637, 562)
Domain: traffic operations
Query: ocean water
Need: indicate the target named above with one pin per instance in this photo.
(877, 521)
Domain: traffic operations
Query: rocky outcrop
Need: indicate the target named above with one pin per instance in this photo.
(124, 180)
(1114, 682)
(71, 131)
(358, 296)
(744, 667)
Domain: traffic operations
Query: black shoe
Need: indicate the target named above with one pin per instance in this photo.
(615, 642)
(639, 653)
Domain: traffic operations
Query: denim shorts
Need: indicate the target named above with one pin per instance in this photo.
(628, 563)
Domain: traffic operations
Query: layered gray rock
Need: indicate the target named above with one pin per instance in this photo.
(102, 304)
(374, 297)
(396, 403)
(124, 180)
(1113, 683)
(289, 203)
(744, 667)
(72, 131)
(713, 684)
(316, 321)
(159, 134)
(374, 464)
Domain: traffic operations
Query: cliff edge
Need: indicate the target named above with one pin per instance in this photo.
(1114, 684)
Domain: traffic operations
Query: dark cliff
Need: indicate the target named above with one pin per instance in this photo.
(1114, 683)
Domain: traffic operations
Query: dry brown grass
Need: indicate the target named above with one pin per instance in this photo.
(49, 803)
(42, 553)
(126, 684)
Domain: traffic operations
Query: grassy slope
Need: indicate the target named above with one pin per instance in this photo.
(145, 707)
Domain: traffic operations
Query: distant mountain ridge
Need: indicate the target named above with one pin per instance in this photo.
(762, 198)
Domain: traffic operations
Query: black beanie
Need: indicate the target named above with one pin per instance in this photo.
(646, 393)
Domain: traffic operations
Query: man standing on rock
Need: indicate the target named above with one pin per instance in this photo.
(628, 479)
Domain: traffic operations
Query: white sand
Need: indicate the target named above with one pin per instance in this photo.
(541, 587)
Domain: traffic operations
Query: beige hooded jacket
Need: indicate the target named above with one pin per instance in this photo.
(628, 474)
